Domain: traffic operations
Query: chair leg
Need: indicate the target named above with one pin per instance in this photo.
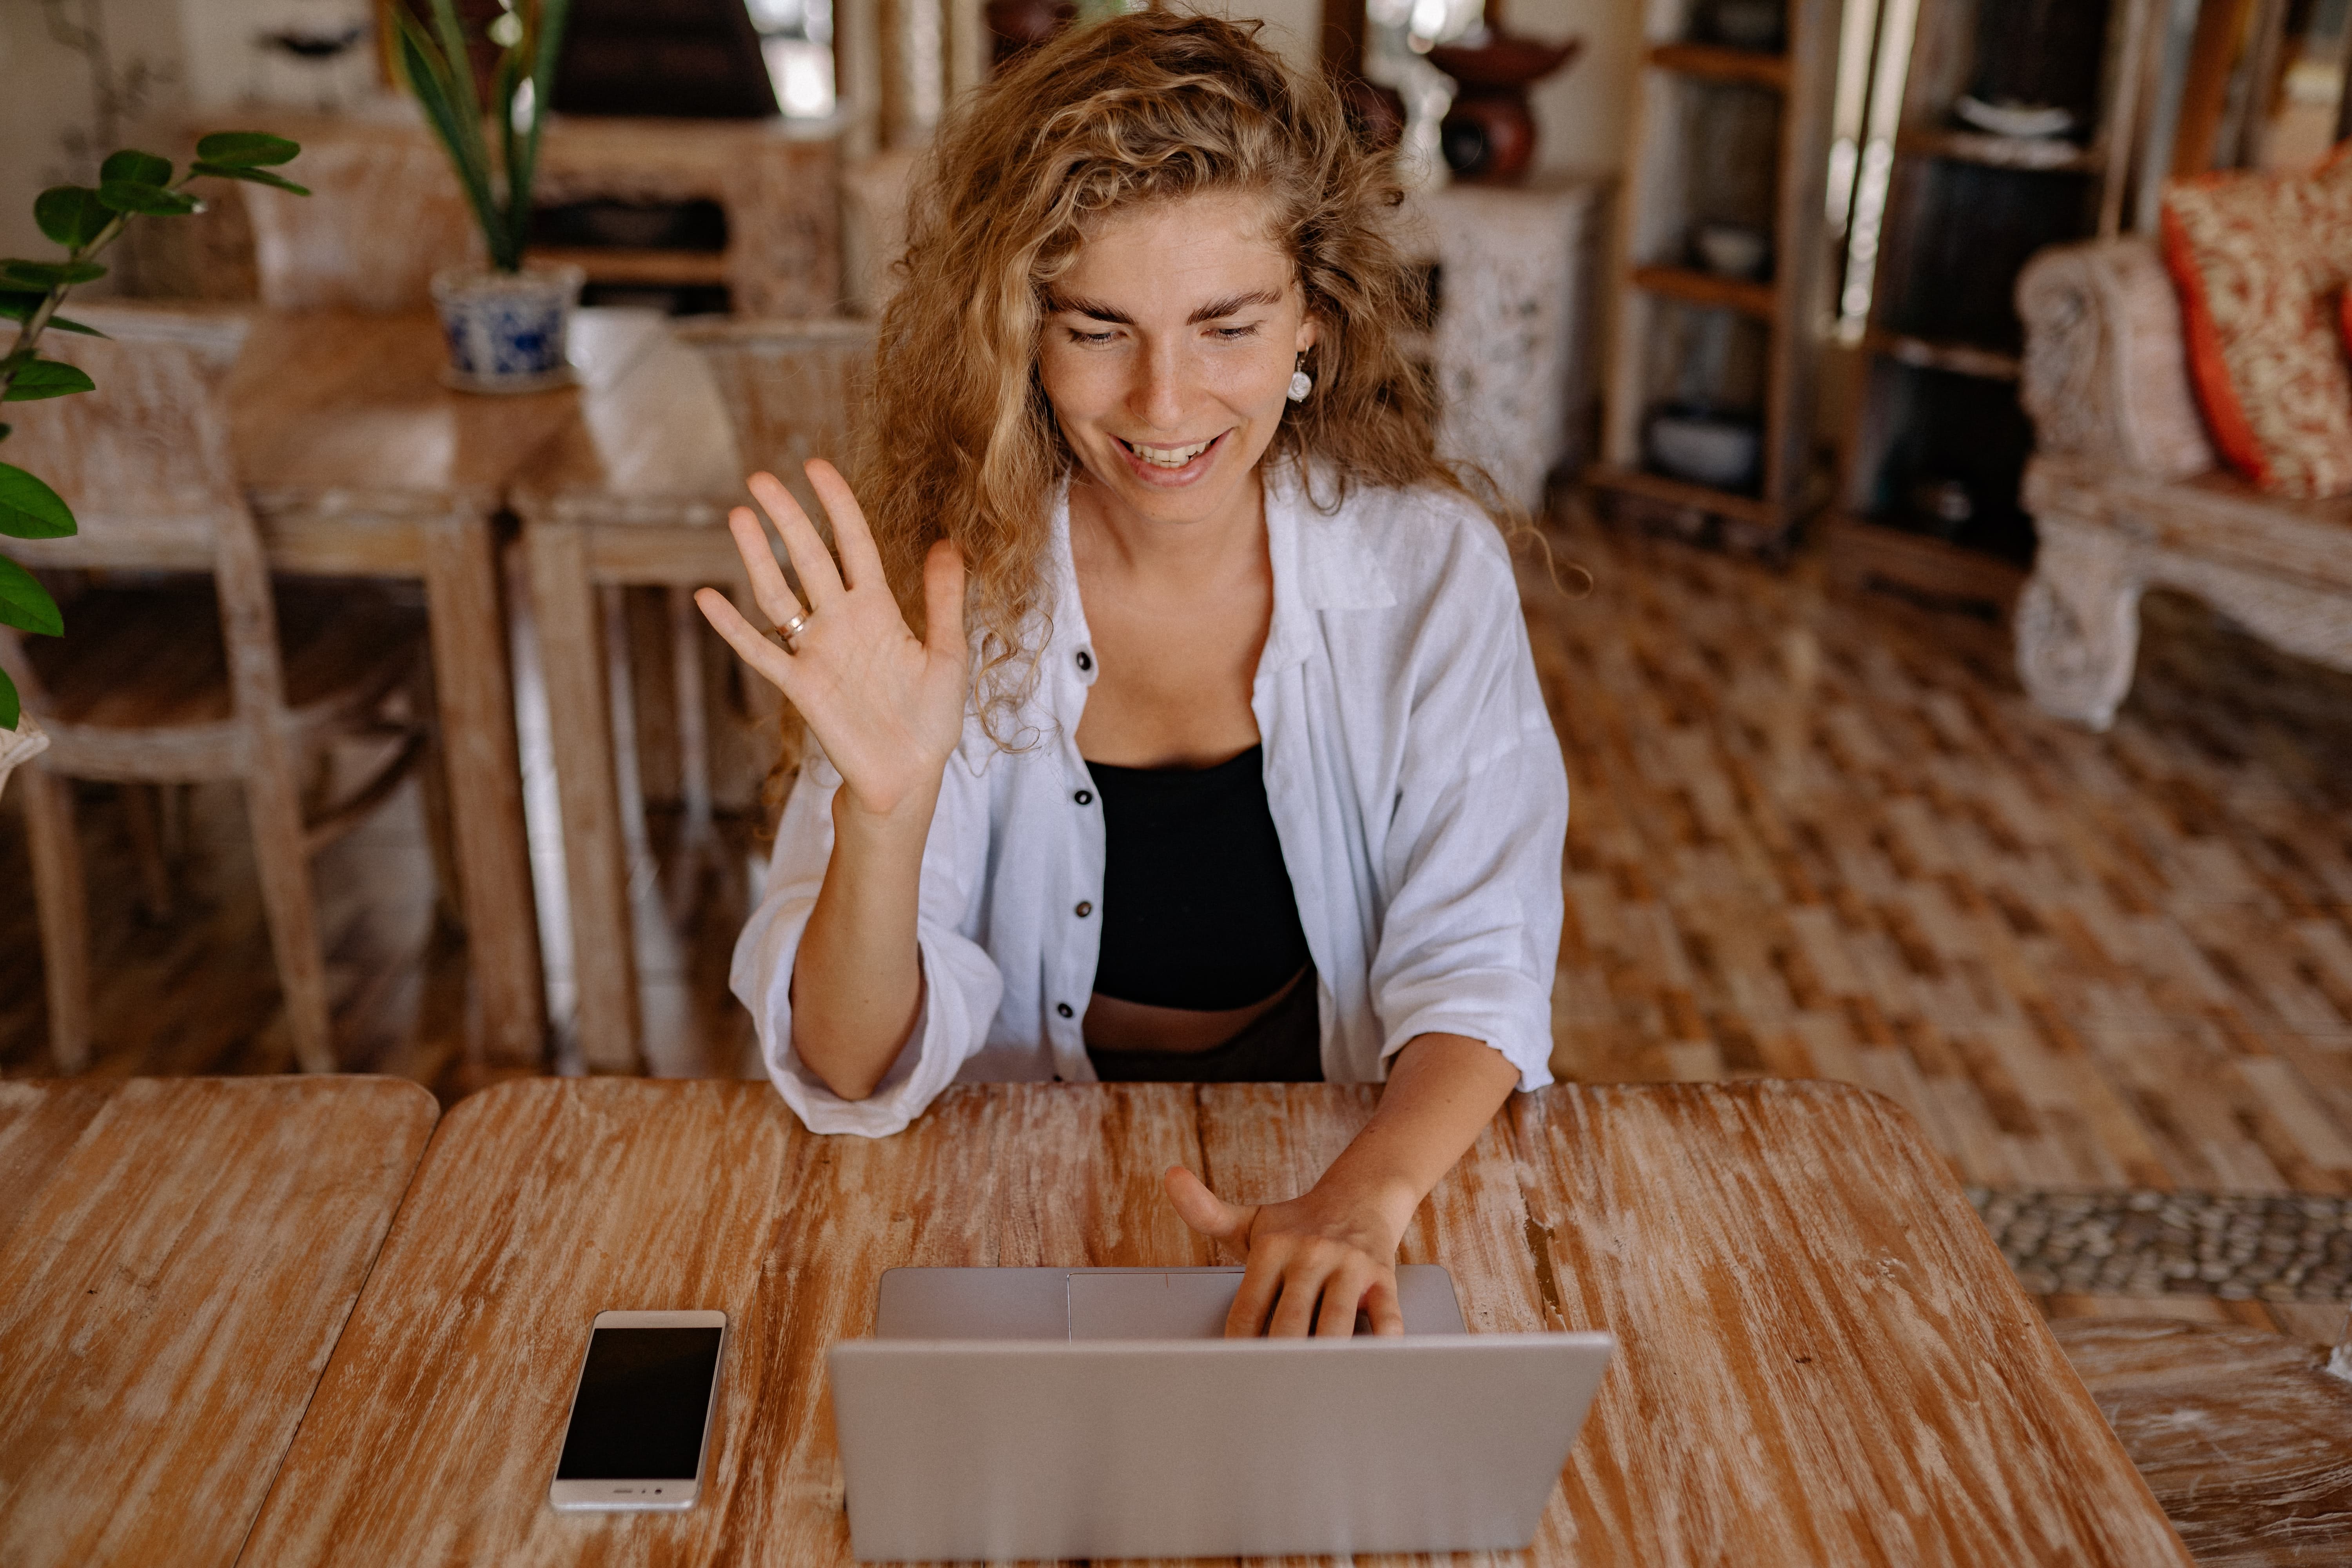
(273, 803)
(64, 898)
(433, 789)
(143, 817)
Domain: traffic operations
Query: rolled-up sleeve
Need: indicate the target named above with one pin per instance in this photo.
(1469, 944)
(961, 986)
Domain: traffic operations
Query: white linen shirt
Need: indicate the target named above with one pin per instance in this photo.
(1415, 780)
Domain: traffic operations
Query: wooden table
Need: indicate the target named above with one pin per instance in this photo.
(359, 462)
(1823, 1359)
(176, 1258)
(636, 491)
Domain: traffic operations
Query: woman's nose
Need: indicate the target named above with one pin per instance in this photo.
(1159, 396)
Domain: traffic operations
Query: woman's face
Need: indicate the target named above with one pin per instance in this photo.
(1168, 350)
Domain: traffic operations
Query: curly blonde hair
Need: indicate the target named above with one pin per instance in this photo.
(956, 438)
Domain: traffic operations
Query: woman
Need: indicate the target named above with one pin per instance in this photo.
(1221, 754)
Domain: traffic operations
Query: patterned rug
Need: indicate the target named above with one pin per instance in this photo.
(2289, 1246)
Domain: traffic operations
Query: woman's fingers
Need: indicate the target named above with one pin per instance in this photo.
(1347, 1292)
(861, 563)
(1257, 1298)
(1381, 1303)
(744, 638)
(1205, 1212)
(769, 590)
(811, 560)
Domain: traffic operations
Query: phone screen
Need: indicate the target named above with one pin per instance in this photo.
(639, 1415)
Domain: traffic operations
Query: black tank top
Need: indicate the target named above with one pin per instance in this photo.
(1197, 906)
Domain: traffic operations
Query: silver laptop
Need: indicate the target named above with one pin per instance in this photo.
(1055, 1413)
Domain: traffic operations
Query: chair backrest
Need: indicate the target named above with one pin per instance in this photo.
(144, 461)
(384, 213)
(791, 389)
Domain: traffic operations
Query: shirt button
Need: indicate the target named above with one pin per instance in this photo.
(1062, 1009)
(1086, 659)
(1085, 909)
(1085, 797)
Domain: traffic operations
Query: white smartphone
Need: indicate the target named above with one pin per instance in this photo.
(640, 1425)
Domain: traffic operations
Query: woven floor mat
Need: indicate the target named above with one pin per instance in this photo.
(2278, 1247)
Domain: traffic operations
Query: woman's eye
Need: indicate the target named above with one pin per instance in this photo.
(1234, 335)
(1093, 340)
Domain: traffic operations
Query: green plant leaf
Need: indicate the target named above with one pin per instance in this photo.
(11, 709)
(70, 215)
(29, 509)
(461, 136)
(47, 378)
(25, 604)
(18, 304)
(247, 149)
(254, 176)
(47, 275)
(133, 168)
(152, 201)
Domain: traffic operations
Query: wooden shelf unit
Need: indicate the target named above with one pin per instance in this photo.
(1724, 135)
(1963, 210)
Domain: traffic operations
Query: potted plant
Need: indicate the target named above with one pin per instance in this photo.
(506, 325)
(84, 220)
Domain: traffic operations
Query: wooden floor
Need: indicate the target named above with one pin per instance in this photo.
(1810, 835)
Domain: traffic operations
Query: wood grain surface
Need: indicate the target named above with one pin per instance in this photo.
(177, 1257)
(1825, 1361)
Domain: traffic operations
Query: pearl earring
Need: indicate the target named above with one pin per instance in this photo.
(1301, 383)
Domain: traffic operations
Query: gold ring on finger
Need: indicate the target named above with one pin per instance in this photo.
(788, 630)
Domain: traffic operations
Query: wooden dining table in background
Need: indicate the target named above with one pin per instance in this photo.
(177, 1257)
(360, 463)
(1822, 1359)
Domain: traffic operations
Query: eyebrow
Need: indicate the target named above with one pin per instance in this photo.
(1216, 309)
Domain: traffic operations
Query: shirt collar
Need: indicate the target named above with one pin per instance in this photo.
(1323, 558)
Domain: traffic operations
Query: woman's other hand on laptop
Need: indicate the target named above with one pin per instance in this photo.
(1311, 1264)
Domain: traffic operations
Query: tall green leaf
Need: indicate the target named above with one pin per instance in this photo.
(71, 215)
(29, 509)
(247, 149)
(428, 76)
(25, 604)
(47, 378)
(11, 708)
(547, 49)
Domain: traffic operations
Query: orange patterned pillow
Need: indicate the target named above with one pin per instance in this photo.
(2256, 258)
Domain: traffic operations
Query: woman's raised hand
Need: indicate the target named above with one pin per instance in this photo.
(886, 706)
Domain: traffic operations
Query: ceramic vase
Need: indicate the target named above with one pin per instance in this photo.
(507, 332)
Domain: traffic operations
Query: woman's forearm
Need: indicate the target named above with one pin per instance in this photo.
(1441, 1090)
(857, 980)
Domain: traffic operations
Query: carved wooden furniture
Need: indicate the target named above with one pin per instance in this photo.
(1738, 138)
(2126, 493)
(177, 1257)
(1513, 341)
(1929, 505)
(2244, 1436)
(1823, 1359)
(386, 212)
(638, 495)
(180, 685)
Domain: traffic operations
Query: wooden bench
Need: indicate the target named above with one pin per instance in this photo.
(2127, 493)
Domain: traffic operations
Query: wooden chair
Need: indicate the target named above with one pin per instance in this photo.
(2244, 1436)
(193, 681)
(383, 215)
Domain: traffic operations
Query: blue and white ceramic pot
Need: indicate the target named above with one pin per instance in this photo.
(506, 329)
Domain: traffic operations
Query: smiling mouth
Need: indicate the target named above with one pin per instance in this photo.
(1168, 456)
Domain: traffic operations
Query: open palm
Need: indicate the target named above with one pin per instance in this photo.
(885, 705)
